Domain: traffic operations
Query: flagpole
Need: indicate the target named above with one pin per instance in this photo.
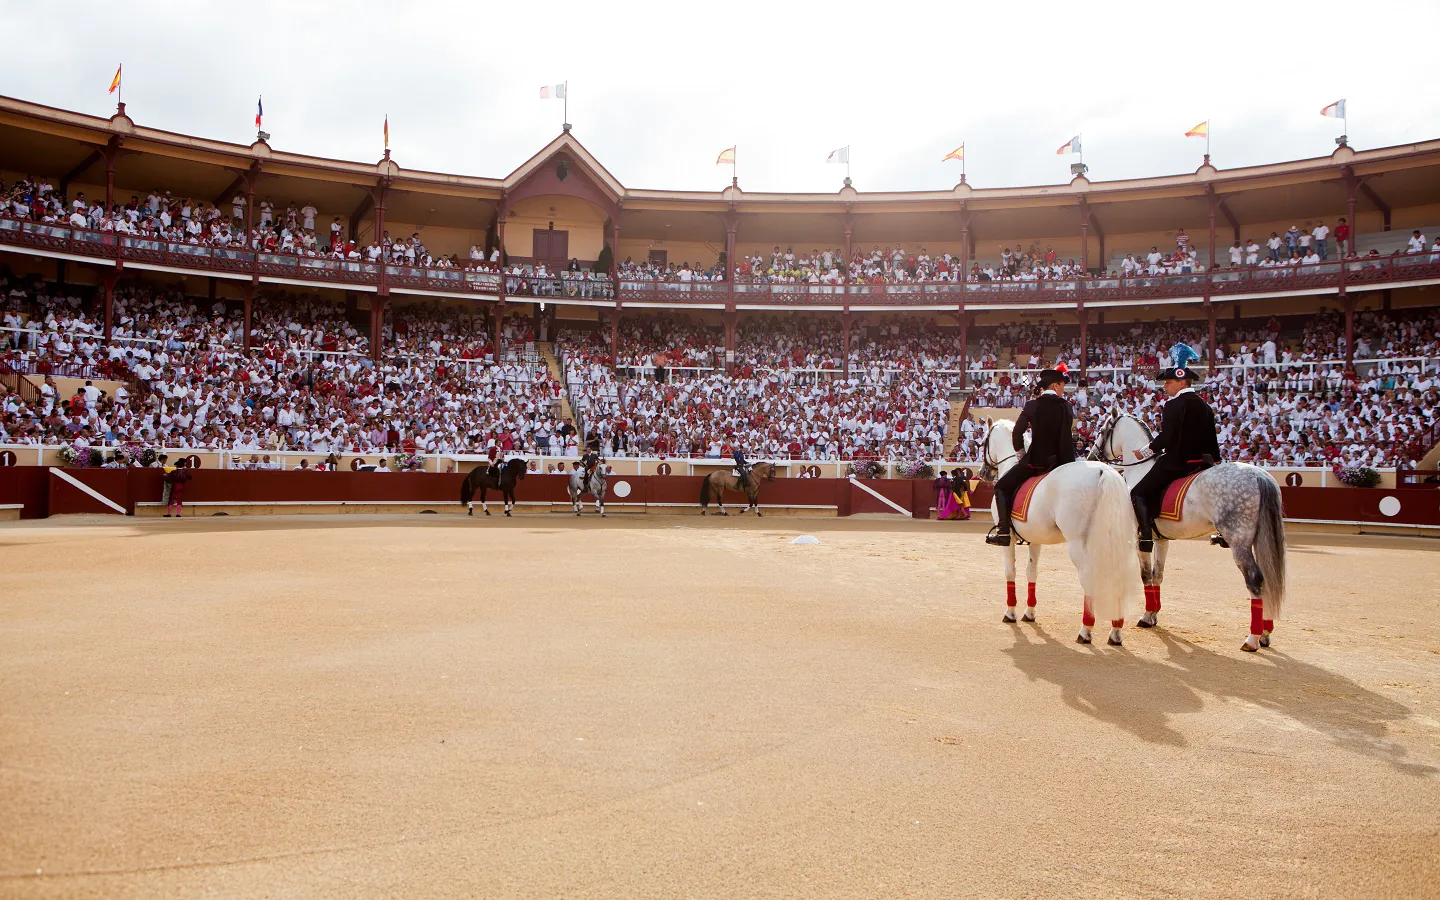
(1207, 142)
(120, 91)
(565, 125)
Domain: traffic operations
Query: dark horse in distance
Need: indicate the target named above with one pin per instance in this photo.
(482, 479)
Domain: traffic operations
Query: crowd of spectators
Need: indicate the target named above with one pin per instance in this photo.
(280, 229)
(306, 383)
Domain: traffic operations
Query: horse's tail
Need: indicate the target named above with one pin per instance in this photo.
(1270, 546)
(467, 490)
(1114, 569)
(705, 492)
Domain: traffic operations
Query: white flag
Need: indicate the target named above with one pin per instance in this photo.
(839, 156)
(552, 92)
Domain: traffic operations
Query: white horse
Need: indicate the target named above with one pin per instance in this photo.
(1239, 501)
(580, 485)
(1086, 506)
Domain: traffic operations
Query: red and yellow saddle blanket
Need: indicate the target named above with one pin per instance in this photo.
(1173, 506)
(1020, 508)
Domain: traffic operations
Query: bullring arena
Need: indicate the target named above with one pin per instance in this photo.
(252, 645)
(671, 705)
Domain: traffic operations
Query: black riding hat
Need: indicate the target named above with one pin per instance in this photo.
(1057, 375)
(1178, 373)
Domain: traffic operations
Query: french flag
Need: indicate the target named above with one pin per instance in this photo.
(1335, 110)
(259, 111)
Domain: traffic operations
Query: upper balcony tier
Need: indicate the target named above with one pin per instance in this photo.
(83, 245)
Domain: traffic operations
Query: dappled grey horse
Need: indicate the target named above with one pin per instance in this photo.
(1239, 501)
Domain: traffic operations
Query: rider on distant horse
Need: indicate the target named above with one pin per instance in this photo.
(591, 460)
(1049, 420)
(494, 454)
(1187, 444)
(742, 468)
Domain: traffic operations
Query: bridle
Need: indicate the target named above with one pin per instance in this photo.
(990, 467)
(1102, 451)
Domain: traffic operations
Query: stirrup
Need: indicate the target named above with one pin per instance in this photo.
(997, 537)
(1218, 540)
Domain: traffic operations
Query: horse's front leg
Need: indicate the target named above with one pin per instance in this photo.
(509, 503)
(1009, 583)
(1032, 570)
(483, 505)
(755, 504)
(1152, 580)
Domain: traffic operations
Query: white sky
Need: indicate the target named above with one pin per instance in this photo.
(658, 90)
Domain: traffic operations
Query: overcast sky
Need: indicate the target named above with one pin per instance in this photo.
(658, 90)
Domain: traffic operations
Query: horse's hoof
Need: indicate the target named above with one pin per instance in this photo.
(1264, 640)
(470, 512)
(1145, 623)
(1028, 617)
(1082, 639)
(1114, 641)
(1247, 648)
(487, 512)
(1009, 618)
(507, 513)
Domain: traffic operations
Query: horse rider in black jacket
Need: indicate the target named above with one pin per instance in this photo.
(1186, 444)
(1049, 420)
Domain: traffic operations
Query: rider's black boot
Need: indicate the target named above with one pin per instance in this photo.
(1000, 535)
(1147, 525)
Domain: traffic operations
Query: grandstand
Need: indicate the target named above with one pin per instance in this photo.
(243, 300)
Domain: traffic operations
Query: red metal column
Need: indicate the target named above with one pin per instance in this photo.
(109, 282)
(249, 311)
(500, 232)
(1210, 319)
(964, 348)
(1084, 339)
(615, 257)
(382, 289)
(1211, 265)
(499, 330)
(615, 340)
(845, 321)
(732, 222)
(1350, 210)
(1084, 235)
(1349, 329)
(732, 319)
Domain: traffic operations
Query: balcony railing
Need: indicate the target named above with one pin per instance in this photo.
(1359, 272)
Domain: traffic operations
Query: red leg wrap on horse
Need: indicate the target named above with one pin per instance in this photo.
(1269, 625)
(1087, 618)
(1009, 593)
(1257, 616)
(1157, 598)
(1117, 623)
(1152, 598)
(1030, 598)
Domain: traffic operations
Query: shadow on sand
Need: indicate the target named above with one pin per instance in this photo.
(1141, 696)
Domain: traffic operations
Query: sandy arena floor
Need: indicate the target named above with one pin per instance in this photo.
(653, 706)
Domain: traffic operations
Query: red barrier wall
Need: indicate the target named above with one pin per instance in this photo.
(43, 494)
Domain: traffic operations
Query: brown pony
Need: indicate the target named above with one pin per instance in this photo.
(717, 483)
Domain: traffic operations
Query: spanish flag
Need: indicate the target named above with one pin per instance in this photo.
(115, 82)
(726, 157)
(957, 153)
(1201, 130)
(387, 131)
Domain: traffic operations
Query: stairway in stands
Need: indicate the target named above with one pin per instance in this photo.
(547, 356)
(959, 409)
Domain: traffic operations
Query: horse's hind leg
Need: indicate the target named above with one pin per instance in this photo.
(483, 505)
(1032, 570)
(1152, 575)
(1245, 561)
